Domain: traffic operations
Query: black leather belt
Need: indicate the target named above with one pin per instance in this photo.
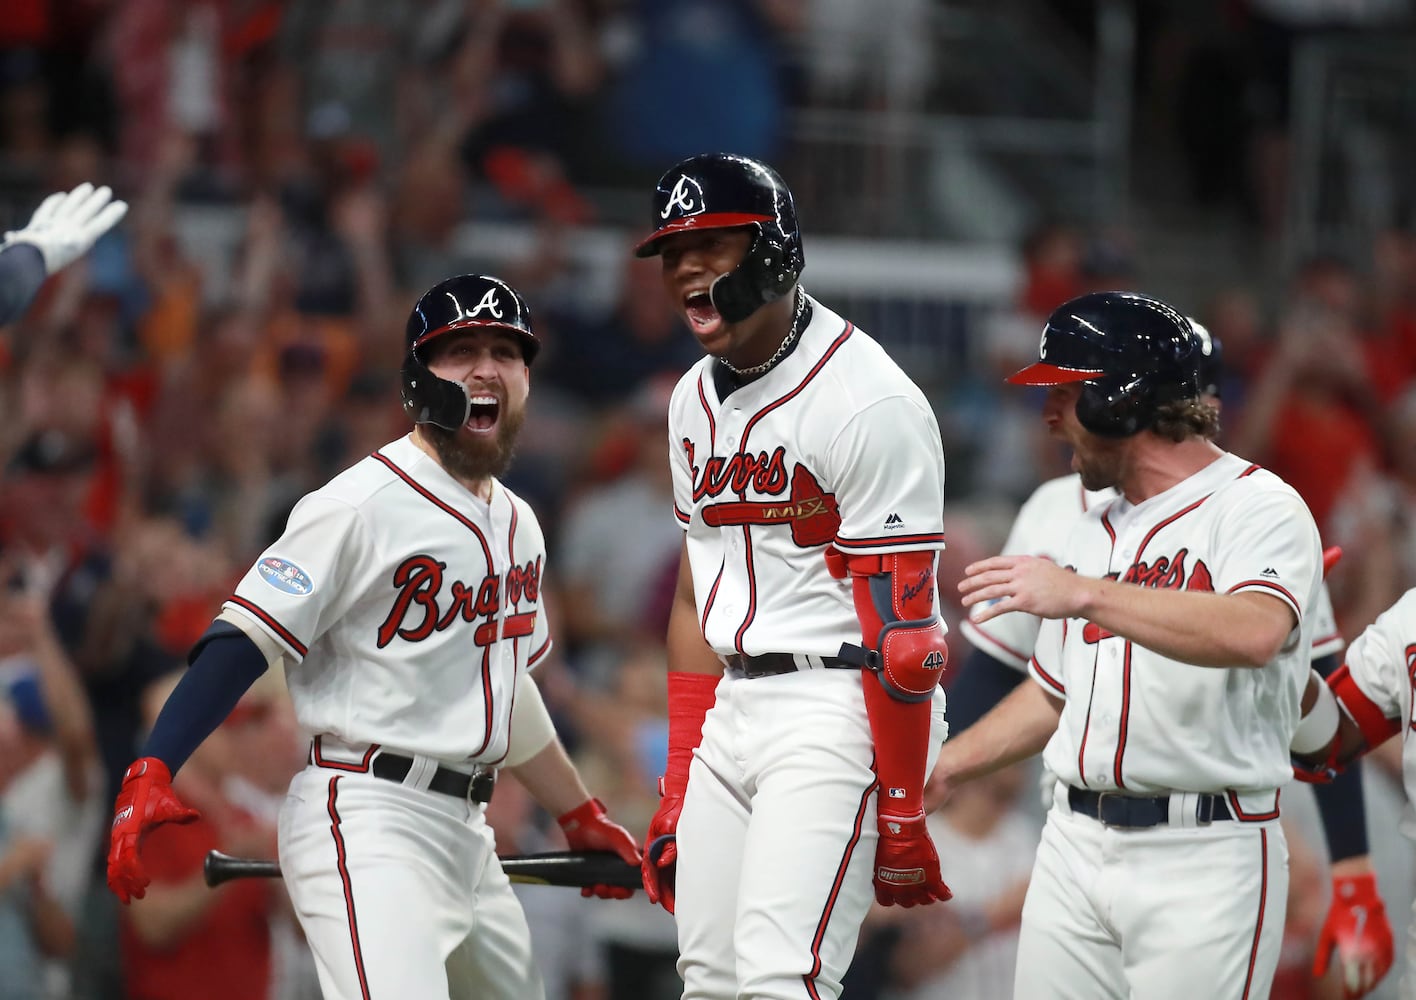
(767, 664)
(476, 787)
(1137, 812)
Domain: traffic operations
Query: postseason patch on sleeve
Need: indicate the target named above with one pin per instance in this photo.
(285, 576)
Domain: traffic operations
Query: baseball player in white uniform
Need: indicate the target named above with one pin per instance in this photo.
(805, 645)
(1168, 669)
(404, 601)
(1356, 930)
(1376, 692)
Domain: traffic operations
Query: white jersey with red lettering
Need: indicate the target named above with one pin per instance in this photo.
(1200, 752)
(833, 445)
(1041, 528)
(405, 608)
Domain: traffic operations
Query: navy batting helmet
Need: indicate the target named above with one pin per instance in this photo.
(467, 301)
(1211, 359)
(1132, 352)
(722, 191)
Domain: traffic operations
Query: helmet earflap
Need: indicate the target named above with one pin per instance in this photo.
(768, 272)
(1117, 406)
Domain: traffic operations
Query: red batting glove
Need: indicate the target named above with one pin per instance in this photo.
(588, 828)
(691, 695)
(906, 865)
(145, 800)
(1357, 929)
(661, 852)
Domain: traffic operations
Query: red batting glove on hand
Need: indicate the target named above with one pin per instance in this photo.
(906, 865)
(658, 867)
(145, 800)
(690, 697)
(588, 828)
(1357, 929)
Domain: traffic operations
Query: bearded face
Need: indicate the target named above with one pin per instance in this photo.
(470, 456)
(490, 364)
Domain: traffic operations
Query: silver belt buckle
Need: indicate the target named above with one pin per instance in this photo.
(480, 774)
(1101, 798)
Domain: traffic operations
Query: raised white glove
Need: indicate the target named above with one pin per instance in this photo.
(67, 224)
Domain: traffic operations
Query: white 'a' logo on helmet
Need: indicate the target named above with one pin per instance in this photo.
(489, 302)
(687, 197)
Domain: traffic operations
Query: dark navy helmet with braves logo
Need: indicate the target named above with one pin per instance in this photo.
(725, 191)
(467, 301)
(1132, 353)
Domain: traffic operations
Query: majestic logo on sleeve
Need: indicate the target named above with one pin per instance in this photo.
(685, 199)
(420, 607)
(810, 512)
(488, 302)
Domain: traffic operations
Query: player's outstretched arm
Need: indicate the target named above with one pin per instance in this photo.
(62, 229)
(1018, 727)
(224, 664)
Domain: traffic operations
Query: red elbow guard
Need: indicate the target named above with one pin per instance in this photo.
(894, 600)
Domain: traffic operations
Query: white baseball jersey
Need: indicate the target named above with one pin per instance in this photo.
(406, 607)
(1140, 722)
(838, 446)
(834, 445)
(1041, 528)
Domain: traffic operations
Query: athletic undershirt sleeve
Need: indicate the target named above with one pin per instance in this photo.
(224, 665)
(22, 272)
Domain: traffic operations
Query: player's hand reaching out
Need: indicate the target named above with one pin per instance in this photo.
(587, 827)
(1356, 934)
(146, 800)
(906, 864)
(992, 587)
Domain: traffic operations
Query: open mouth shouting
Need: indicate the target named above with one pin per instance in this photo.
(702, 314)
(482, 415)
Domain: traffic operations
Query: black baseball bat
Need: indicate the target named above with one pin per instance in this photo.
(575, 869)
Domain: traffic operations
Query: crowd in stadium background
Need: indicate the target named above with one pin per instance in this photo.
(166, 399)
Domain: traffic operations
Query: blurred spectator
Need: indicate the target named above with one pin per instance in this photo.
(32, 923)
(1311, 416)
(616, 538)
(267, 749)
(1013, 450)
(184, 939)
(51, 789)
(695, 75)
(571, 962)
(607, 359)
(537, 70)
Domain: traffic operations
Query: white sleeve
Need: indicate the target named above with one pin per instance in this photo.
(1327, 640)
(1009, 638)
(1377, 659)
(301, 584)
(886, 468)
(1046, 664)
(1273, 548)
